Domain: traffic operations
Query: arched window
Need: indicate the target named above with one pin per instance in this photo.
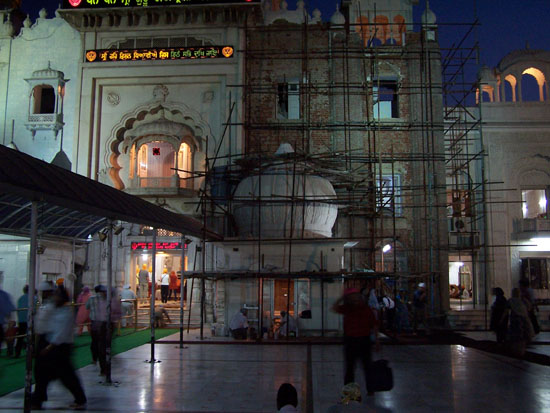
(380, 29)
(185, 165)
(532, 85)
(43, 99)
(158, 165)
(510, 88)
(155, 164)
(487, 94)
(398, 30)
(363, 29)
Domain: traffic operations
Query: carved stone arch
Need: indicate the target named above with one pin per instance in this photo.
(176, 121)
(532, 171)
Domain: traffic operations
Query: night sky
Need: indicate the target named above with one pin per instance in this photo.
(506, 25)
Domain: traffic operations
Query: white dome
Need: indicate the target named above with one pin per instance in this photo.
(337, 18)
(428, 17)
(312, 217)
(48, 73)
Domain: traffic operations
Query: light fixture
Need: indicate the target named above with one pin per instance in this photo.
(386, 248)
(118, 229)
(187, 241)
(459, 264)
(351, 244)
(103, 234)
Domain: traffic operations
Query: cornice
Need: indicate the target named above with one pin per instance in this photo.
(166, 17)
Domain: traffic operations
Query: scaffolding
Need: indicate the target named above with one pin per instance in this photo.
(383, 113)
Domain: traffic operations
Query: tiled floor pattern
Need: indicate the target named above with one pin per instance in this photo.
(245, 378)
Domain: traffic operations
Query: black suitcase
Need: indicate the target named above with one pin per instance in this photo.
(380, 376)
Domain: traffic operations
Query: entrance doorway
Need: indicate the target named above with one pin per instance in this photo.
(461, 282)
(283, 297)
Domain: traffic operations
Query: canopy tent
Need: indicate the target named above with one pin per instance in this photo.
(71, 205)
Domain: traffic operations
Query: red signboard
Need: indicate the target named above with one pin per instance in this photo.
(161, 246)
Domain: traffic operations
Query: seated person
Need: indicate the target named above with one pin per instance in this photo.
(160, 312)
(287, 324)
(239, 325)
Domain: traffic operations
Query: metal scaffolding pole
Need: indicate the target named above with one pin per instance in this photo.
(32, 308)
(109, 328)
(152, 360)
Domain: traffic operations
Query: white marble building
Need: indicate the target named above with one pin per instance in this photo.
(516, 134)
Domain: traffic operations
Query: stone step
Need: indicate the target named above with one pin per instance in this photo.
(174, 313)
(475, 319)
(467, 319)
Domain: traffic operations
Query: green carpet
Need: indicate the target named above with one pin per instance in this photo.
(12, 371)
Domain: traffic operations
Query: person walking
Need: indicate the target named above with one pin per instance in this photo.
(22, 312)
(499, 315)
(83, 314)
(55, 358)
(164, 286)
(359, 324)
(6, 308)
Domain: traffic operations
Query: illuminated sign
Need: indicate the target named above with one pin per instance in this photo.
(161, 246)
(104, 4)
(170, 53)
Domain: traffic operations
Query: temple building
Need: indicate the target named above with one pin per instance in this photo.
(315, 147)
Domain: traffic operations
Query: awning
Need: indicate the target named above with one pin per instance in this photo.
(71, 205)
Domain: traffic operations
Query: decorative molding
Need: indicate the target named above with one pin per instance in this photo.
(160, 92)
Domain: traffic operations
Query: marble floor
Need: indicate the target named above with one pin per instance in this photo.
(245, 378)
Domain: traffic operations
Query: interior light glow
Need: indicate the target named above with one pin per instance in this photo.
(542, 203)
(540, 244)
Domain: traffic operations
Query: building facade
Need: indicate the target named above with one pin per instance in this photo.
(514, 102)
(313, 147)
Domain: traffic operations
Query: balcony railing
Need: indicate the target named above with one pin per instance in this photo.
(44, 121)
(143, 185)
(533, 225)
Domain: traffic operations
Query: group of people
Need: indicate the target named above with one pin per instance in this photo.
(122, 302)
(170, 285)
(514, 321)
(284, 326)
